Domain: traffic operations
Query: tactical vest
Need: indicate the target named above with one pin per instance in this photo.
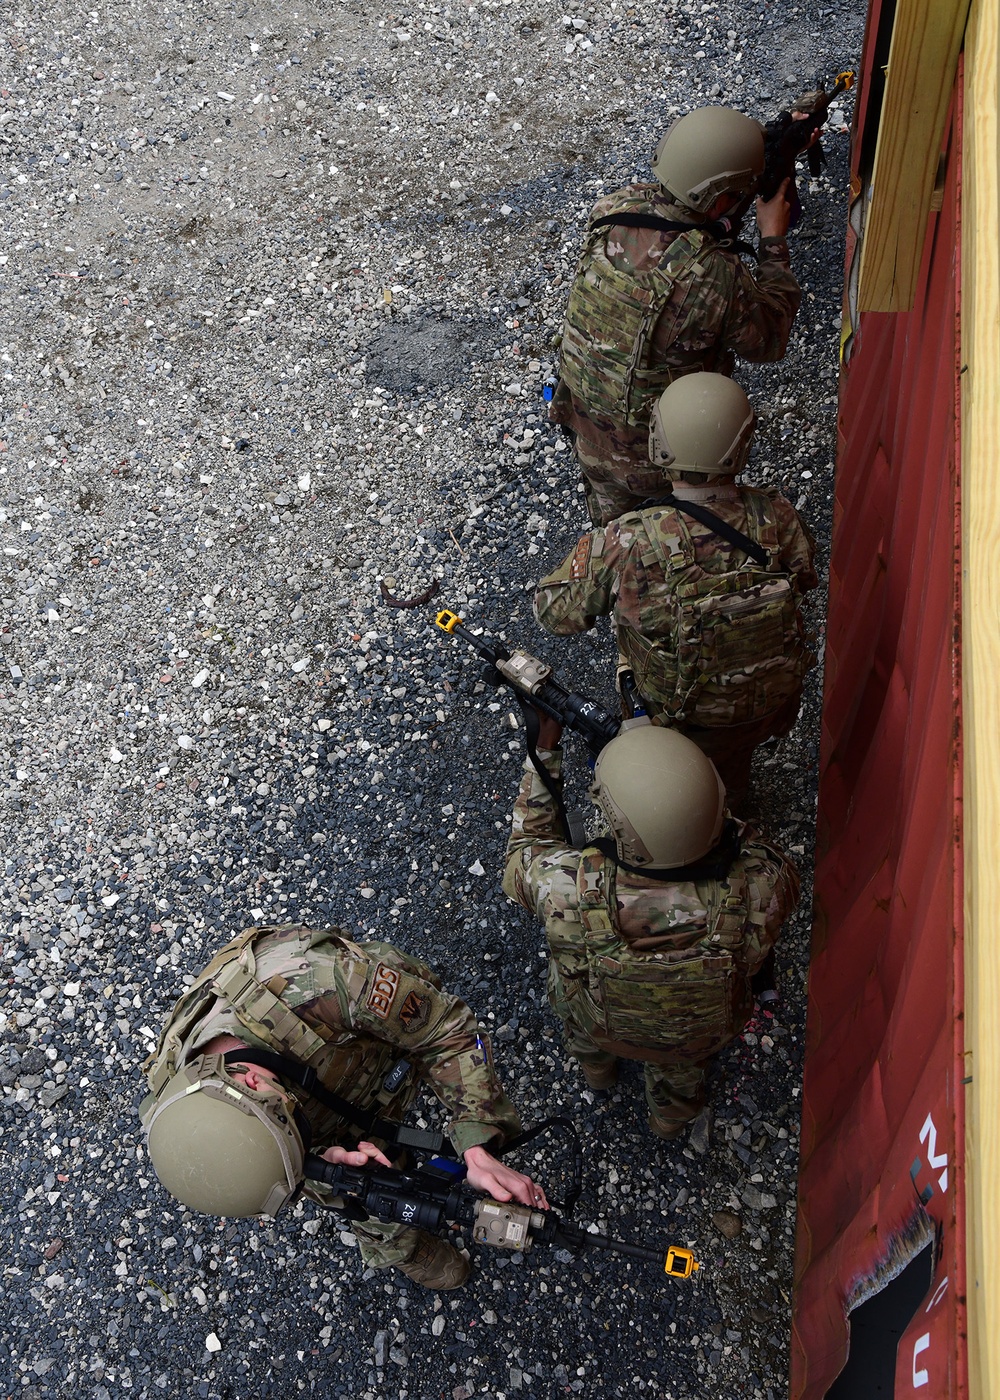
(228, 997)
(661, 1006)
(616, 318)
(733, 649)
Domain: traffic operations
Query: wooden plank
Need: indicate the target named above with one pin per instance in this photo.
(980, 690)
(923, 59)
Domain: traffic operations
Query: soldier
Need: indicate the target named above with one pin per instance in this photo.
(660, 292)
(704, 584)
(653, 935)
(294, 1040)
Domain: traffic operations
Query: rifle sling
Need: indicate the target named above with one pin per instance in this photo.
(707, 517)
(307, 1079)
(718, 230)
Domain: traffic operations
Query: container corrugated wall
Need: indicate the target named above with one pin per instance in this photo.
(882, 1099)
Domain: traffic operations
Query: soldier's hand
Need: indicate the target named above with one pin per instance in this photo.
(773, 215)
(366, 1152)
(485, 1173)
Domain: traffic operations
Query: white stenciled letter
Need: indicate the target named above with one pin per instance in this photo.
(928, 1134)
(921, 1344)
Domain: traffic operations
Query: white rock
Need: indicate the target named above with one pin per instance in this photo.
(185, 742)
(476, 868)
(212, 1342)
(197, 681)
(115, 755)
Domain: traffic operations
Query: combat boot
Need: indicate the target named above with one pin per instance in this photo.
(436, 1264)
(602, 1075)
(667, 1128)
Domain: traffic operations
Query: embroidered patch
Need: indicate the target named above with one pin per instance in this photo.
(384, 988)
(414, 1011)
(581, 558)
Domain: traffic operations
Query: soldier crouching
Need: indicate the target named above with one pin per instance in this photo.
(295, 1040)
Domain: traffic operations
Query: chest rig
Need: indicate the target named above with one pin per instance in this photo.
(720, 646)
(656, 1005)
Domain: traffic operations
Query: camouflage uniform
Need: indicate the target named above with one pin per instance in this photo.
(370, 1005)
(697, 303)
(621, 571)
(651, 970)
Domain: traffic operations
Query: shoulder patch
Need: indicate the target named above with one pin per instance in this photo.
(581, 557)
(414, 1011)
(385, 985)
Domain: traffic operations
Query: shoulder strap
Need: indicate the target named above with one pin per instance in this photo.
(265, 1015)
(595, 891)
(162, 1063)
(719, 233)
(760, 510)
(718, 527)
(728, 909)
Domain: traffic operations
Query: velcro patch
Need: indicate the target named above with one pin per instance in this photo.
(383, 992)
(581, 558)
(414, 1011)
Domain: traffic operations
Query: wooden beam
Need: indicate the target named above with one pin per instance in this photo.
(920, 76)
(980, 488)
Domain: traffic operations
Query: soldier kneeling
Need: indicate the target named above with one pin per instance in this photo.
(294, 1041)
(704, 582)
(655, 934)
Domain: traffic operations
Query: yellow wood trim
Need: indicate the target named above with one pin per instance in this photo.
(923, 58)
(980, 689)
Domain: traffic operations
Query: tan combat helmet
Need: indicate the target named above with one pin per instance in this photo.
(709, 152)
(702, 423)
(662, 797)
(219, 1147)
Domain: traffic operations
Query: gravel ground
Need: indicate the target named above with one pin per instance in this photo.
(280, 289)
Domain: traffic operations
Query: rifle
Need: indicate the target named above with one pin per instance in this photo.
(787, 137)
(535, 688)
(435, 1195)
(534, 685)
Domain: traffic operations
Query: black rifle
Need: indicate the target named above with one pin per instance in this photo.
(533, 683)
(788, 137)
(535, 688)
(434, 1196)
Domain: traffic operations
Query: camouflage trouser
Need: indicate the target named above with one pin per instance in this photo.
(730, 747)
(617, 473)
(675, 1093)
(382, 1245)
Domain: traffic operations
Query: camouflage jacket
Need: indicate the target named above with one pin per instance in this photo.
(651, 917)
(696, 304)
(370, 1005)
(622, 570)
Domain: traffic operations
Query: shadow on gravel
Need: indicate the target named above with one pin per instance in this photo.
(427, 353)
